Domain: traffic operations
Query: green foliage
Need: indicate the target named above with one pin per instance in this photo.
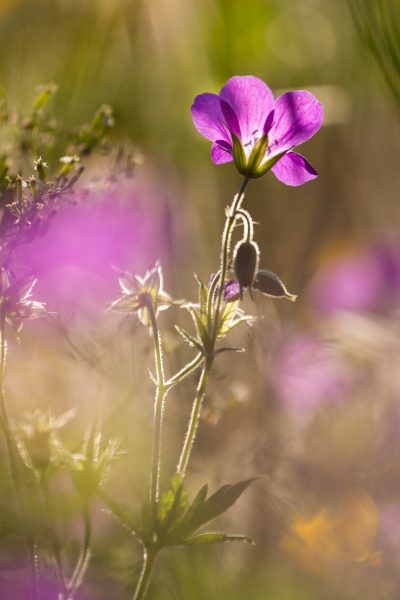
(378, 24)
(40, 166)
(176, 522)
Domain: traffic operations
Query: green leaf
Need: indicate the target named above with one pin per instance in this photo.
(219, 502)
(203, 295)
(172, 506)
(189, 338)
(120, 512)
(181, 529)
(194, 508)
(201, 327)
(216, 537)
(228, 349)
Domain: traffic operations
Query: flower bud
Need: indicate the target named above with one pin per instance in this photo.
(245, 263)
(269, 284)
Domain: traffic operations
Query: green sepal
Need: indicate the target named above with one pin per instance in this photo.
(230, 317)
(268, 164)
(257, 155)
(239, 155)
(216, 537)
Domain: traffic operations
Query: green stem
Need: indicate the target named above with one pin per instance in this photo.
(147, 569)
(247, 224)
(226, 243)
(55, 542)
(81, 565)
(12, 460)
(161, 392)
(201, 388)
(194, 419)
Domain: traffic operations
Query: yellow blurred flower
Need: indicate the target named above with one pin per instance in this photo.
(335, 537)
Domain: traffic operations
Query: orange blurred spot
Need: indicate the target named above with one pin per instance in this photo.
(337, 536)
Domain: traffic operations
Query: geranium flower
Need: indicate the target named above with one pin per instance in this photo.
(247, 125)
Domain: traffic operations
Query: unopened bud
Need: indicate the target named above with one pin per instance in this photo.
(269, 284)
(245, 263)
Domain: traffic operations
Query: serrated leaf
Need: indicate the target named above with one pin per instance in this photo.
(193, 509)
(219, 502)
(172, 506)
(216, 537)
(188, 338)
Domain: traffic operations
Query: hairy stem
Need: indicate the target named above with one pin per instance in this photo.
(82, 563)
(194, 420)
(147, 569)
(161, 392)
(201, 388)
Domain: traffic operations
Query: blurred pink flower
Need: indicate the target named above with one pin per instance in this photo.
(307, 372)
(124, 226)
(362, 279)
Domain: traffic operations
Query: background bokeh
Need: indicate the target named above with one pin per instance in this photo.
(313, 407)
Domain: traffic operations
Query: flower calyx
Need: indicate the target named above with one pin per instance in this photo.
(139, 293)
(16, 304)
(204, 315)
(90, 466)
(37, 439)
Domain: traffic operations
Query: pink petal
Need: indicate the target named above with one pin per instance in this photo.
(298, 115)
(293, 169)
(208, 118)
(251, 101)
(220, 155)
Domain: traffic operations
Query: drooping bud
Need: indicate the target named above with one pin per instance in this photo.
(245, 263)
(269, 284)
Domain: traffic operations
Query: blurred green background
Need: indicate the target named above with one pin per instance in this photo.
(313, 407)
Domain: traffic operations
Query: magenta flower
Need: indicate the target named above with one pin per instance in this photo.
(247, 125)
